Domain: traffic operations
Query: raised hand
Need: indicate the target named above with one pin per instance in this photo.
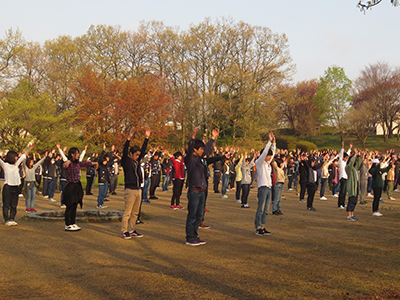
(147, 133)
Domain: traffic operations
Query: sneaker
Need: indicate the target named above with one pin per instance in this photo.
(173, 207)
(52, 200)
(246, 206)
(76, 227)
(370, 195)
(280, 213)
(204, 226)
(28, 210)
(266, 232)
(351, 218)
(46, 196)
(139, 221)
(234, 189)
(259, 231)
(33, 209)
(103, 206)
(311, 209)
(113, 193)
(396, 190)
(275, 213)
(193, 242)
(145, 201)
(381, 200)
(363, 202)
(377, 214)
(290, 189)
(302, 200)
(355, 219)
(179, 207)
(335, 196)
(225, 196)
(8, 223)
(341, 207)
(201, 242)
(126, 235)
(63, 206)
(206, 210)
(391, 198)
(20, 195)
(238, 201)
(323, 198)
(153, 197)
(68, 228)
(135, 234)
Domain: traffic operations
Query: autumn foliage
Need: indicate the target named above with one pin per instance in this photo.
(108, 108)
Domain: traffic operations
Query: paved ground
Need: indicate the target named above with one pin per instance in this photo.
(310, 255)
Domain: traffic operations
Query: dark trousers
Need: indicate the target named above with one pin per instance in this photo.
(70, 214)
(311, 192)
(217, 179)
(245, 192)
(10, 201)
(377, 197)
(89, 185)
(177, 191)
(302, 190)
(238, 189)
(155, 180)
(232, 179)
(351, 205)
(21, 186)
(196, 203)
(45, 184)
(342, 192)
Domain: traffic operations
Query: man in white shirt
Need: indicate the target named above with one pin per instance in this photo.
(343, 157)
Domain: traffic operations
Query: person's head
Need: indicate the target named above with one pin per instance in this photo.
(156, 155)
(312, 161)
(178, 155)
(198, 148)
(29, 162)
(11, 157)
(73, 154)
(248, 160)
(134, 152)
(375, 162)
(345, 156)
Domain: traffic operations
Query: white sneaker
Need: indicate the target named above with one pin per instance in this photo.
(290, 189)
(13, 223)
(76, 227)
(20, 195)
(377, 214)
(396, 190)
(63, 206)
(391, 198)
(341, 207)
(238, 201)
(335, 196)
(8, 223)
(370, 195)
(46, 196)
(323, 198)
(52, 200)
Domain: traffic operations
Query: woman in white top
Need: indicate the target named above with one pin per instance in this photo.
(12, 181)
(30, 181)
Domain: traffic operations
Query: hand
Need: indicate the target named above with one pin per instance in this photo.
(215, 133)
(271, 136)
(342, 144)
(351, 145)
(195, 132)
(104, 146)
(58, 146)
(86, 147)
(130, 135)
(67, 164)
(147, 133)
(65, 149)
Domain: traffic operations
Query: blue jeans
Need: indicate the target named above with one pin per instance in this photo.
(278, 189)
(165, 182)
(51, 187)
(225, 182)
(335, 188)
(102, 193)
(146, 189)
(63, 184)
(31, 192)
(196, 203)
(324, 182)
(264, 202)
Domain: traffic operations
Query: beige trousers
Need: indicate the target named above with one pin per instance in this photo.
(132, 206)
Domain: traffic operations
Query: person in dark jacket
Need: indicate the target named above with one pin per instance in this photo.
(377, 184)
(133, 178)
(103, 179)
(155, 174)
(309, 169)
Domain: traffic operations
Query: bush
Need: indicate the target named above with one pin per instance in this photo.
(305, 146)
(286, 142)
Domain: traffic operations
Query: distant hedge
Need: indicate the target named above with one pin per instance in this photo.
(305, 146)
(286, 142)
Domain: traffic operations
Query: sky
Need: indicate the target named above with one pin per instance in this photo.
(321, 33)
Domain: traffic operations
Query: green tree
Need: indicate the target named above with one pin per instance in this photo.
(334, 98)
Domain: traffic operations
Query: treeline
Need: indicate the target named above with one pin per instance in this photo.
(93, 88)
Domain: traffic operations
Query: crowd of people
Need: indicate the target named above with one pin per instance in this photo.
(352, 174)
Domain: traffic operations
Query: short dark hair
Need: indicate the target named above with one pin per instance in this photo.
(134, 149)
(177, 154)
(198, 144)
(10, 157)
(72, 151)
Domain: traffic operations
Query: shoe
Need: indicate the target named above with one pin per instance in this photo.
(20, 195)
(139, 221)
(370, 195)
(201, 242)
(259, 231)
(396, 190)
(280, 213)
(76, 227)
(234, 189)
(8, 223)
(341, 207)
(63, 206)
(266, 232)
(105, 199)
(145, 201)
(351, 218)
(113, 193)
(206, 210)
(217, 192)
(323, 198)
(391, 198)
(52, 200)
(88, 194)
(246, 206)
(381, 200)
(225, 196)
(153, 197)
(377, 214)
(275, 213)
(335, 196)
(135, 234)
(126, 235)
(101, 206)
(311, 209)
(28, 210)
(238, 201)
(46, 196)
(179, 207)
(355, 219)
(302, 200)
(193, 242)
(363, 202)
(68, 227)
(173, 207)
(290, 189)
(204, 226)
(33, 209)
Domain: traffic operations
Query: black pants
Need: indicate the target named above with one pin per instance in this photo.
(217, 179)
(351, 205)
(302, 190)
(311, 192)
(89, 182)
(205, 201)
(10, 201)
(245, 192)
(177, 191)
(377, 197)
(232, 179)
(70, 214)
(342, 192)
(21, 186)
(155, 180)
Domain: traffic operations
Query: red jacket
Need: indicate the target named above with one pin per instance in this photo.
(179, 168)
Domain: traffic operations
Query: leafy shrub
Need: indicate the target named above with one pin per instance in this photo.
(286, 142)
(305, 146)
